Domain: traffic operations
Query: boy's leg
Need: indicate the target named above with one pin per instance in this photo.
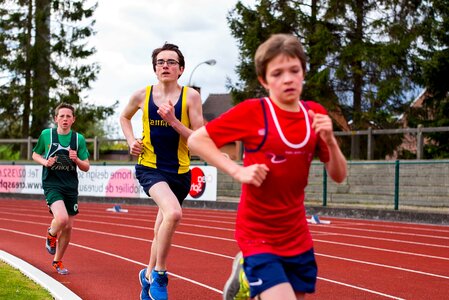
(61, 226)
(145, 274)
(60, 219)
(170, 213)
(169, 216)
(64, 239)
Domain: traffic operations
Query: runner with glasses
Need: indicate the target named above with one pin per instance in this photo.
(169, 62)
(170, 114)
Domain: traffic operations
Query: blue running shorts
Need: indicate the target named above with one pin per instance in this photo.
(266, 270)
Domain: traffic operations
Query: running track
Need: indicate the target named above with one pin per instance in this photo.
(357, 259)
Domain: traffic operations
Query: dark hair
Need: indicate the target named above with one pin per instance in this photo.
(168, 47)
(281, 43)
(64, 105)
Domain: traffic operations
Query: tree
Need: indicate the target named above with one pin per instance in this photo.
(432, 73)
(360, 54)
(252, 26)
(45, 61)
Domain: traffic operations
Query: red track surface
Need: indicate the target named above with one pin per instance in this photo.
(357, 259)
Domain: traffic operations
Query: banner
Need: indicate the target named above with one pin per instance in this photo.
(104, 181)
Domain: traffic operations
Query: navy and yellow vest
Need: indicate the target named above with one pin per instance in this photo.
(63, 174)
(164, 148)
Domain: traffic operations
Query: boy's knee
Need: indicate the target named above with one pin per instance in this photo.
(175, 216)
(63, 221)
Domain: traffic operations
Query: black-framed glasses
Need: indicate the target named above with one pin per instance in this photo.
(170, 62)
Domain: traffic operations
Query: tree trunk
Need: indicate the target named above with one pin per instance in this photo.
(358, 81)
(27, 89)
(41, 78)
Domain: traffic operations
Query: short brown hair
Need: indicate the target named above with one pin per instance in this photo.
(64, 105)
(280, 43)
(168, 47)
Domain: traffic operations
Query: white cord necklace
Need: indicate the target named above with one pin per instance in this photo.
(281, 134)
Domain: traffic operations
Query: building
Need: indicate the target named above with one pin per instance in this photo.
(213, 107)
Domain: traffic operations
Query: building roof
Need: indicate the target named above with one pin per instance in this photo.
(215, 105)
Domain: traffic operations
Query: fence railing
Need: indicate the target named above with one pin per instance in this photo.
(370, 133)
(30, 142)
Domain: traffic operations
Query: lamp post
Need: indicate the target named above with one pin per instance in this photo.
(210, 62)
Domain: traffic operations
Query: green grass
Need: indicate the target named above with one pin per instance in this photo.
(15, 285)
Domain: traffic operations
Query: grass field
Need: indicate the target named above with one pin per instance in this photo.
(14, 285)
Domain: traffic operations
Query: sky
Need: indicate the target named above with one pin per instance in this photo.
(128, 31)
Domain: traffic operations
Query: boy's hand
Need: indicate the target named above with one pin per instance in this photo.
(167, 112)
(51, 161)
(254, 174)
(136, 147)
(322, 124)
(73, 155)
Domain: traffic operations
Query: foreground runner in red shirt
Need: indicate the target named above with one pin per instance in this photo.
(281, 135)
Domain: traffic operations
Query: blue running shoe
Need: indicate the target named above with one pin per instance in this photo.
(158, 287)
(145, 284)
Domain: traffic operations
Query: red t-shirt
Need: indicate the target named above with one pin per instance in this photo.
(271, 218)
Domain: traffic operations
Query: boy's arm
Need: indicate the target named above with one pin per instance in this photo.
(45, 162)
(200, 143)
(336, 166)
(135, 102)
(83, 165)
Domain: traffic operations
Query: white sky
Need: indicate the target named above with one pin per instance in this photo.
(128, 31)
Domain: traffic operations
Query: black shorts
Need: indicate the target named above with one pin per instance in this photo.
(178, 183)
(70, 200)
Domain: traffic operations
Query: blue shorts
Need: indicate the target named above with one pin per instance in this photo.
(267, 270)
(178, 183)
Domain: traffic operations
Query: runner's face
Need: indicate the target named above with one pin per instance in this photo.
(284, 80)
(167, 72)
(65, 118)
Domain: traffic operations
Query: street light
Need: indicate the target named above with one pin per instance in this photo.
(210, 62)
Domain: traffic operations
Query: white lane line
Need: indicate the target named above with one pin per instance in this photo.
(119, 257)
(82, 219)
(393, 224)
(360, 288)
(379, 239)
(382, 265)
(124, 225)
(193, 281)
(381, 249)
(389, 232)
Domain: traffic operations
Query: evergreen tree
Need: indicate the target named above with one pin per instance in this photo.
(360, 54)
(432, 73)
(251, 26)
(45, 52)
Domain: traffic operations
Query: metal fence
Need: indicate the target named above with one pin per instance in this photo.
(369, 133)
(391, 184)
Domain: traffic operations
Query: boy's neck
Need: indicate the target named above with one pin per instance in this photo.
(167, 88)
(59, 130)
(164, 91)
